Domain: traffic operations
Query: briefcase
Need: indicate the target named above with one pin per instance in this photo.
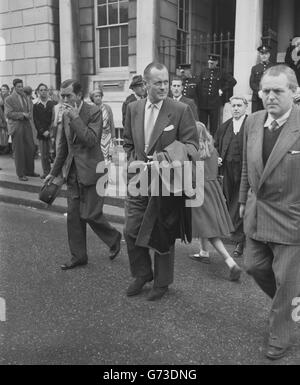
(49, 192)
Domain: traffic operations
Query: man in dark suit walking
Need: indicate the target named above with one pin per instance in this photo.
(256, 74)
(151, 126)
(137, 85)
(177, 90)
(19, 114)
(80, 151)
(270, 202)
(213, 83)
(229, 144)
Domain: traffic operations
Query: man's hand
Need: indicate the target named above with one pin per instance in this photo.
(220, 162)
(242, 210)
(46, 134)
(49, 179)
(72, 112)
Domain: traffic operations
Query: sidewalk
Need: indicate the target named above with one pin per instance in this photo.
(26, 193)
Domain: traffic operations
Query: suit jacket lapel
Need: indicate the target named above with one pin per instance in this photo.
(138, 131)
(227, 138)
(82, 114)
(162, 122)
(288, 136)
(257, 137)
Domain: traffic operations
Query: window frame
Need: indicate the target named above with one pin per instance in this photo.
(186, 30)
(97, 40)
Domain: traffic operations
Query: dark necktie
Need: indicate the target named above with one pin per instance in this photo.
(274, 126)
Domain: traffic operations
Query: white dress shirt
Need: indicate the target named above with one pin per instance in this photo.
(280, 121)
(237, 124)
(156, 111)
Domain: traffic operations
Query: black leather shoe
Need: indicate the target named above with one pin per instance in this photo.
(238, 251)
(235, 273)
(275, 353)
(72, 265)
(137, 285)
(157, 293)
(114, 251)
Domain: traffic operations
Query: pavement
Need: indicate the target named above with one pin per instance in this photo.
(84, 316)
(26, 193)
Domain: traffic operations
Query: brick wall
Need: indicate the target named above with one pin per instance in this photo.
(29, 34)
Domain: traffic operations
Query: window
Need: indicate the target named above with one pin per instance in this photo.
(183, 30)
(112, 30)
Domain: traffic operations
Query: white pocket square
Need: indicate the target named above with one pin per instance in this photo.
(294, 152)
(169, 128)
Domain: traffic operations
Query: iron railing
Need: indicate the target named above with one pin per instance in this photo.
(197, 50)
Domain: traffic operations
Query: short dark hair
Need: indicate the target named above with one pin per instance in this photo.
(17, 81)
(177, 79)
(156, 65)
(76, 86)
(41, 85)
(5, 86)
(279, 69)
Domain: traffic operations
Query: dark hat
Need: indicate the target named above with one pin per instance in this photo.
(137, 80)
(213, 57)
(264, 49)
(185, 66)
(49, 192)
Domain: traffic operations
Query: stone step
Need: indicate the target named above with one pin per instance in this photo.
(113, 213)
(34, 185)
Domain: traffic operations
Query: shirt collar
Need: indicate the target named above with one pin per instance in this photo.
(157, 105)
(137, 96)
(39, 100)
(178, 99)
(280, 121)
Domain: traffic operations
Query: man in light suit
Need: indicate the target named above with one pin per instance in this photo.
(79, 150)
(18, 111)
(177, 94)
(152, 125)
(270, 202)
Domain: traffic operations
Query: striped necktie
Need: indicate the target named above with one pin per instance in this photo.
(274, 126)
(149, 125)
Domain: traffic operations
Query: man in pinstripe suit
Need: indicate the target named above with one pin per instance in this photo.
(270, 202)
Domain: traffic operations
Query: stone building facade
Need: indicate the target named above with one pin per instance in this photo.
(108, 41)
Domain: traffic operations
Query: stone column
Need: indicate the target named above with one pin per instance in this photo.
(69, 39)
(286, 27)
(248, 33)
(147, 33)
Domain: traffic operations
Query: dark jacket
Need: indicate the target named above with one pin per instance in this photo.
(193, 107)
(190, 89)
(224, 136)
(131, 98)
(42, 117)
(255, 78)
(209, 84)
(80, 143)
